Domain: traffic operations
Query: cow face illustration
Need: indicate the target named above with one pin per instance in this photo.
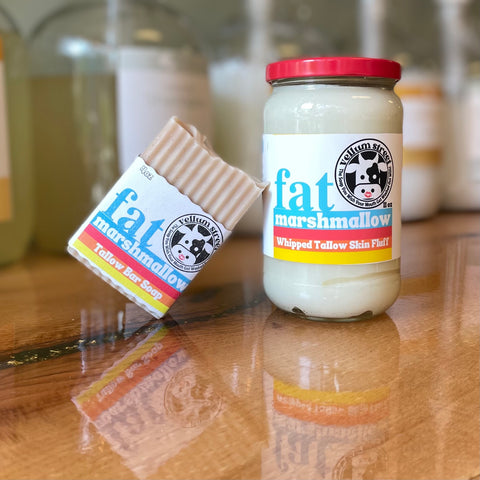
(368, 178)
(364, 174)
(192, 244)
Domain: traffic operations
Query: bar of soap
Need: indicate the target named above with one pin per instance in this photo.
(164, 218)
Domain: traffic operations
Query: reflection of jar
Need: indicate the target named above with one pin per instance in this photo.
(332, 155)
(106, 77)
(330, 390)
(16, 206)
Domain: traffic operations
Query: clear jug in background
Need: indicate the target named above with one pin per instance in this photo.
(105, 77)
(267, 31)
(411, 38)
(406, 32)
(16, 207)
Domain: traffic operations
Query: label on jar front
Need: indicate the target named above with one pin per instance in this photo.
(5, 193)
(333, 198)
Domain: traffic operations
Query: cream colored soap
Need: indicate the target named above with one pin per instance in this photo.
(184, 157)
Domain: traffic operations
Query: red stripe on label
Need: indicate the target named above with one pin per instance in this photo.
(313, 234)
(144, 366)
(131, 262)
(341, 415)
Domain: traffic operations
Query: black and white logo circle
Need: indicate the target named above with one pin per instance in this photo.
(364, 173)
(190, 241)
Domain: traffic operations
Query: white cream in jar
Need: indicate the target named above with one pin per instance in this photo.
(332, 213)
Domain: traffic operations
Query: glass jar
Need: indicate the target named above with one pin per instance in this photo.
(332, 155)
(16, 203)
(106, 76)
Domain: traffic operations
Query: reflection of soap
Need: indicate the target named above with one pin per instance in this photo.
(167, 413)
(164, 218)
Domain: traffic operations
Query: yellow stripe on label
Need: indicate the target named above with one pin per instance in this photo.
(119, 277)
(331, 398)
(333, 258)
(122, 366)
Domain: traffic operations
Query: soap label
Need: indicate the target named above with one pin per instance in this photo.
(6, 211)
(147, 239)
(333, 198)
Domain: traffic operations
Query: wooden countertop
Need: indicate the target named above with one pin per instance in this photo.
(228, 387)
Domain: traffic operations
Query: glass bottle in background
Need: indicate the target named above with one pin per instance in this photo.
(461, 82)
(237, 72)
(105, 78)
(411, 38)
(16, 203)
(404, 32)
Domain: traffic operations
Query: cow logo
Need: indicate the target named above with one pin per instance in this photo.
(369, 461)
(191, 399)
(364, 173)
(190, 241)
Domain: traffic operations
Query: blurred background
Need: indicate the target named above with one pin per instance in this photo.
(86, 85)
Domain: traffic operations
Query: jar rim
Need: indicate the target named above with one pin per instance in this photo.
(333, 67)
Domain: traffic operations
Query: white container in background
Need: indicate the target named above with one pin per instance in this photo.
(461, 83)
(239, 91)
(420, 92)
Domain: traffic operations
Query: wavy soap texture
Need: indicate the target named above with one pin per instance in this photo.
(182, 155)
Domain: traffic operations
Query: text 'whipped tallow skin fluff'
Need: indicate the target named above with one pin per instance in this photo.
(332, 214)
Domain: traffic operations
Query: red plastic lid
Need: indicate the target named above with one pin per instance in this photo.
(333, 67)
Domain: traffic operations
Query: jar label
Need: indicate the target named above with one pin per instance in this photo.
(6, 211)
(333, 198)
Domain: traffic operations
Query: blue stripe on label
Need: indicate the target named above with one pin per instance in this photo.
(338, 220)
